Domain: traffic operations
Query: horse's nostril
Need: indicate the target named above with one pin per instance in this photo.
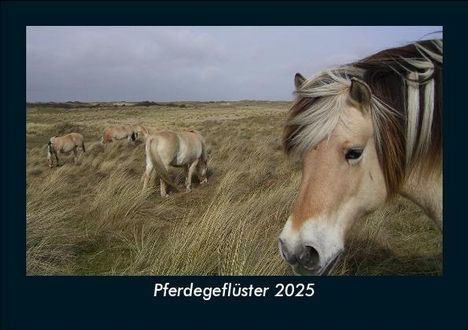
(310, 257)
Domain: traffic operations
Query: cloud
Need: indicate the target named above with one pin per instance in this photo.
(190, 63)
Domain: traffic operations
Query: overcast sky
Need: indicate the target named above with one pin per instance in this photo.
(192, 63)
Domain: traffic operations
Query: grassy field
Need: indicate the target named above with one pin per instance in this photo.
(92, 218)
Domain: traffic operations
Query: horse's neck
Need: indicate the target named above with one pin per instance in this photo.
(427, 193)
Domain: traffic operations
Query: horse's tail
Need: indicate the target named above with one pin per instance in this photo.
(83, 147)
(133, 136)
(49, 146)
(157, 163)
(204, 155)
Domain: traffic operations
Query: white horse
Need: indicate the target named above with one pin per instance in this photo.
(64, 144)
(179, 149)
(365, 131)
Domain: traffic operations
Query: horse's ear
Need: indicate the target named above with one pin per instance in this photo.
(360, 92)
(298, 80)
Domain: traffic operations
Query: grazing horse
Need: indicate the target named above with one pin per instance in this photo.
(179, 149)
(129, 132)
(64, 144)
(365, 131)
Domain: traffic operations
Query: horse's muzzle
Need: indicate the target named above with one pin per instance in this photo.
(305, 256)
(306, 260)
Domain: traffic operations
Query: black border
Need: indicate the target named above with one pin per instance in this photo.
(127, 302)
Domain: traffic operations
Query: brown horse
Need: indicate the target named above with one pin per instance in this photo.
(64, 144)
(179, 149)
(365, 131)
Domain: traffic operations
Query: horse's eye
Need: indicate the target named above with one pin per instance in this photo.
(353, 153)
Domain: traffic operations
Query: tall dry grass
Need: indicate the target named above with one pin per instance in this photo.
(93, 217)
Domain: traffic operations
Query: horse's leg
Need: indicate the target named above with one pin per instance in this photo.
(147, 175)
(192, 167)
(75, 154)
(186, 171)
(163, 188)
(56, 158)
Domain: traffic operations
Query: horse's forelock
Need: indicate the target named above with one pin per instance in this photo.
(292, 129)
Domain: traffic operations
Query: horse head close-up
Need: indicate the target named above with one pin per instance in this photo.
(365, 132)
